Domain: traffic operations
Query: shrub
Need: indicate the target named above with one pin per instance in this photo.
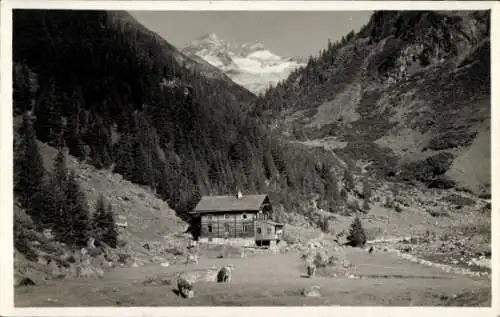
(353, 205)
(486, 208)
(388, 202)
(430, 170)
(22, 227)
(357, 236)
(398, 208)
(343, 194)
(366, 206)
(459, 200)
(438, 213)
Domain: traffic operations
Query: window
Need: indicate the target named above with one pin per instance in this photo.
(259, 230)
(269, 230)
(209, 217)
(246, 228)
(226, 227)
(244, 216)
(209, 228)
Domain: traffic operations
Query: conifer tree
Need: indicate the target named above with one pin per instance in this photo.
(22, 90)
(348, 180)
(343, 194)
(111, 233)
(103, 224)
(367, 190)
(57, 186)
(76, 214)
(29, 171)
(331, 187)
(48, 114)
(98, 219)
(366, 205)
(357, 236)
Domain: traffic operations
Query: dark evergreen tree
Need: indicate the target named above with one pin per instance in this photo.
(348, 180)
(343, 194)
(74, 225)
(111, 233)
(22, 88)
(48, 113)
(366, 205)
(99, 219)
(332, 194)
(367, 190)
(357, 236)
(29, 171)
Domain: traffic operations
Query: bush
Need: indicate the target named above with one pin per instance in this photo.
(366, 206)
(438, 213)
(353, 205)
(398, 208)
(430, 170)
(459, 200)
(22, 227)
(388, 202)
(357, 235)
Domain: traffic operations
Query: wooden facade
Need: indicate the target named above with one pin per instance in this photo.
(244, 218)
(225, 225)
(267, 230)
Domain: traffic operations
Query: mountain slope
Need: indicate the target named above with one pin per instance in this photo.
(124, 99)
(408, 94)
(122, 95)
(250, 65)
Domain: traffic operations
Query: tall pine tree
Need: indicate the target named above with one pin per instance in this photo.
(357, 236)
(103, 224)
(76, 214)
(98, 219)
(57, 185)
(111, 234)
(29, 171)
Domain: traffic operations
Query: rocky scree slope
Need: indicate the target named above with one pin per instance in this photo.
(408, 95)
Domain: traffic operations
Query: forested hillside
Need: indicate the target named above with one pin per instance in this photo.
(407, 96)
(122, 98)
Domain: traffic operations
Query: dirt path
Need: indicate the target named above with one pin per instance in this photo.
(272, 280)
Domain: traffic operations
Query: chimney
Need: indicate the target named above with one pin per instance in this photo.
(239, 194)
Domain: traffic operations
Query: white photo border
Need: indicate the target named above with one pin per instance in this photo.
(6, 178)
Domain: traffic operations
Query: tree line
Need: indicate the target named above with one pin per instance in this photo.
(55, 200)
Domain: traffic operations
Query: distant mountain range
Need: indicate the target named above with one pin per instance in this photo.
(250, 65)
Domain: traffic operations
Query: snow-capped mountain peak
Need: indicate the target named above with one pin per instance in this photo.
(250, 65)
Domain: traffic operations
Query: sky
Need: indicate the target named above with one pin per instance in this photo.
(285, 33)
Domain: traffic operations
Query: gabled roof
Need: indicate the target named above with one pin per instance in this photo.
(230, 203)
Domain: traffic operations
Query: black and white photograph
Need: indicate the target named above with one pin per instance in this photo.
(251, 158)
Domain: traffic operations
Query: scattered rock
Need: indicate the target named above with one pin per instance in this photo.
(312, 291)
(26, 281)
(157, 280)
(123, 258)
(185, 288)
